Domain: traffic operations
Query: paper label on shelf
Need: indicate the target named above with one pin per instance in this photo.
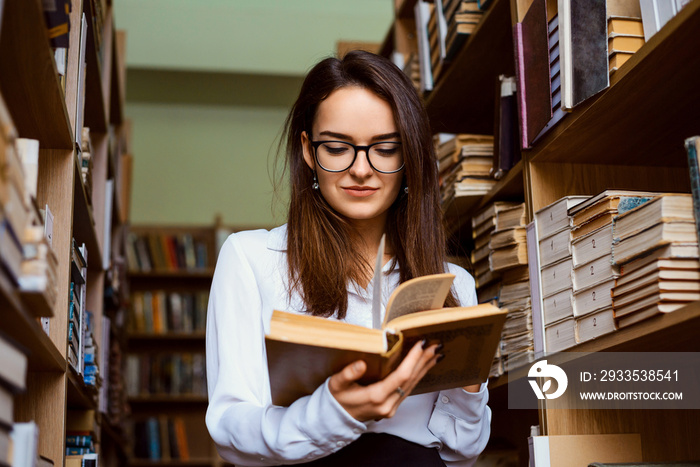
(48, 225)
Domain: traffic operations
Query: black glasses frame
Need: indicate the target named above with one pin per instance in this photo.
(316, 144)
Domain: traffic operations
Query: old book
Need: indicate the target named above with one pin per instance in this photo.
(533, 265)
(629, 26)
(513, 275)
(671, 279)
(671, 289)
(624, 307)
(508, 257)
(624, 9)
(558, 306)
(555, 248)
(592, 246)
(617, 59)
(593, 298)
(303, 350)
(592, 225)
(655, 14)
(556, 277)
(594, 325)
(655, 237)
(488, 214)
(508, 237)
(554, 217)
(691, 147)
(506, 148)
(608, 201)
(514, 291)
(641, 314)
(560, 335)
(625, 44)
(583, 34)
(672, 251)
(510, 217)
(593, 272)
(535, 85)
(13, 371)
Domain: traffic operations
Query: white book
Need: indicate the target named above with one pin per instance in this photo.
(561, 335)
(553, 218)
(593, 298)
(558, 306)
(658, 236)
(107, 239)
(594, 272)
(25, 444)
(533, 264)
(656, 13)
(422, 14)
(555, 247)
(595, 325)
(592, 246)
(557, 277)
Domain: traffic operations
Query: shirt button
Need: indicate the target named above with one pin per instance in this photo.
(445, 399)
(340, 444)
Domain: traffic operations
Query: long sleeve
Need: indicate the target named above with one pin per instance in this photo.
(246, 427)
(461, 420)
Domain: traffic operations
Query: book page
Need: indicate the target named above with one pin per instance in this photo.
(419, 294)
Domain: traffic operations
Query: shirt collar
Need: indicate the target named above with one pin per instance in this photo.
(277, 239)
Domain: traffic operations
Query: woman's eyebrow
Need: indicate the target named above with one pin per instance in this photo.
(342, 136)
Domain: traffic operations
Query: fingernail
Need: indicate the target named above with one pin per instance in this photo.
(439, 348)
(424, 343)
(357, 366)
(440, 357)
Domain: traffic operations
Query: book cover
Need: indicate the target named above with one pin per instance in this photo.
(691, 147)
(535, 54)
(303, 351)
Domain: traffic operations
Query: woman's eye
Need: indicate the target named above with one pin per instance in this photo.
(336, 150)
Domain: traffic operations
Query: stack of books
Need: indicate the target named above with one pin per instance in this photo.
(435, 41)
(461, 19)
(464, 164)
(412, 69)
(77, 307)
(81, 439)
(38, 282)
(625, 37)
(655, 246)
(556, 266)
(86, 163)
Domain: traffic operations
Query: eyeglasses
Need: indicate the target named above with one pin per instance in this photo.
(338, 156)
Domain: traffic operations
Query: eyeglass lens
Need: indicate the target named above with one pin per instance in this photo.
(339, 156)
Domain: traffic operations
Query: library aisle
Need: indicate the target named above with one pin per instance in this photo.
(566, 138)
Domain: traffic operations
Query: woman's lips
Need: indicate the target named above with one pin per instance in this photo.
(359, 191)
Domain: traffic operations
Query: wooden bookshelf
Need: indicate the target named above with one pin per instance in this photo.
(629, 137)
(41, 109)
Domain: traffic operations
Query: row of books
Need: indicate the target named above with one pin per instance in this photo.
(81, 439)
(442, 28)
(161, 439)
(565, 56)
(153, 251)
(161, 312)
(174, 374)
(501, 271)
(464, 165)
(612, 260)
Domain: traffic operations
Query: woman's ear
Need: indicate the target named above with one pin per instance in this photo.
(306, 148)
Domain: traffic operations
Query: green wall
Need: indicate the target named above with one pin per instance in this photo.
(209, 85)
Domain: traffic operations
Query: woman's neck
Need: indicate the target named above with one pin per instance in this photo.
(368, 235)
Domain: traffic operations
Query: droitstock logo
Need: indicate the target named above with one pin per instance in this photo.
(543, 370)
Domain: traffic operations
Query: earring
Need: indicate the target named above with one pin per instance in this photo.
(314, 185)
(405, 190)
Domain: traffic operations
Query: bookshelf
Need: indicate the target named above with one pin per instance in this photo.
(630, 136)
(43, 109)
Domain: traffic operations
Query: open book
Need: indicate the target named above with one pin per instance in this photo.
(302, 350)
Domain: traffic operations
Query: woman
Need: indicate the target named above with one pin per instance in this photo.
(361, 164)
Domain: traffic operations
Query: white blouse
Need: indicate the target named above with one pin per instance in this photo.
(249, 282)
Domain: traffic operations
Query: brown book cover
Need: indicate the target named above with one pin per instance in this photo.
(538, 91)
(303, 351)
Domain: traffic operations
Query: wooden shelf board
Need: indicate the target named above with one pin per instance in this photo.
(17, 322)
(405, 9)
(651, 106)
(29, 77)
(84, 223)
(463, 100)
(117, 94)
(79, 394)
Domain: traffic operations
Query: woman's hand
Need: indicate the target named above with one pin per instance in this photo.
(381, 399)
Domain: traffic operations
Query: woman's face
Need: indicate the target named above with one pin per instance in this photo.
(358, 116)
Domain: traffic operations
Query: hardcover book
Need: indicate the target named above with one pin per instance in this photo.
(304, 350)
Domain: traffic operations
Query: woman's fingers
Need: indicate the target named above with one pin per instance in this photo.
(347, 376)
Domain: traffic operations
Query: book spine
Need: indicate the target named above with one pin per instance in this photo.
(691, 146)
(520, 77)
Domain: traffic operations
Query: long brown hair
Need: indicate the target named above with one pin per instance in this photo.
(321, 255)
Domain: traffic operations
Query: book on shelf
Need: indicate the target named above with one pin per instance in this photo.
(25, 444)
(583, 50)
(593, 298)
(595, 324)
(57, 18)
(508, 257)
(304, 350)
(161, 438)
(560, 335)
(555, 247)
(422, 12)
(506, 148)
(162, 312)
(558, 306)
(554, 217)
(159, 251)
(666, 219)
(582, 450)
(13, 371)
(605, 205)
(531, 40)
(172, 374)
(656, 13)
(593, 272)
(692, 145)
(556, 277)
(623, 27)
(38, 282)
